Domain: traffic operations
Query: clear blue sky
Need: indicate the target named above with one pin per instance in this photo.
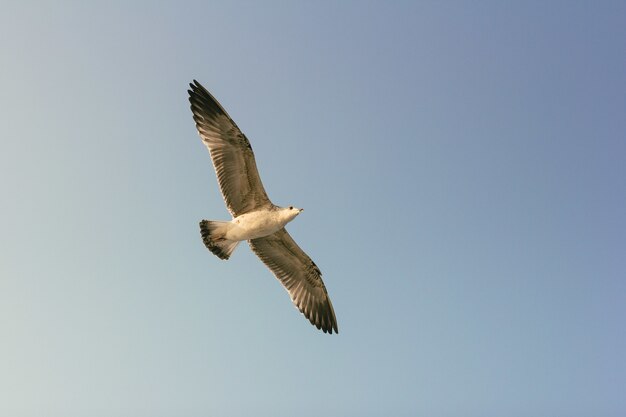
(463, 170)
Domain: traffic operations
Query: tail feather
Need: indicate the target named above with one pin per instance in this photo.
(213, 237)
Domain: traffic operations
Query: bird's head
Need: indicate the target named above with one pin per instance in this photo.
(291, 212)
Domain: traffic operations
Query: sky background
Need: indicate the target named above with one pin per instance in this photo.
(462, 166)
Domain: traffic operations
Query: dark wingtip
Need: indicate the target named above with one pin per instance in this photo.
(330, 329)
(195, 87)
(328, 325)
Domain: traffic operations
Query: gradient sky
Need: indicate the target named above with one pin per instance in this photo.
(462, 166)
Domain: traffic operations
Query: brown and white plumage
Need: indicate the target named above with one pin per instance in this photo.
(255, 218)
(299, 275)
(231, 153)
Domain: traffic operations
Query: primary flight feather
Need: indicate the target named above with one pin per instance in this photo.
(255, 218)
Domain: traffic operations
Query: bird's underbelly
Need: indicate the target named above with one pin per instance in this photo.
(253, 225)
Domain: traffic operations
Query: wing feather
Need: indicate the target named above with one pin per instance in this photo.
(231, 153)
(299, 275)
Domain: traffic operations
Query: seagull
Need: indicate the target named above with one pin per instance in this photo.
(255, 218)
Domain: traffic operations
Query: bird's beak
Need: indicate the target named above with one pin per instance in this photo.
(301, 210)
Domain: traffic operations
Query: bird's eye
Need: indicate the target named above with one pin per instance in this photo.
(290, 207)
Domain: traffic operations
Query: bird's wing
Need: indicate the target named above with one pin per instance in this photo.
(299, 275)
(230, 151)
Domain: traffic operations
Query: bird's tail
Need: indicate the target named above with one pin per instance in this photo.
(213, 237)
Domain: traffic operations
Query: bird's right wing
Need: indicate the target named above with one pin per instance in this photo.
(299, 275)
(231, 153)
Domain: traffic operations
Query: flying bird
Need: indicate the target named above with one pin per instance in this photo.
(255, 218)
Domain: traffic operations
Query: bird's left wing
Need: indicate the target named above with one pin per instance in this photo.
(231, 153)
(299, 275)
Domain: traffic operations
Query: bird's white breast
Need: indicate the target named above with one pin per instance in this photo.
(255, 224)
